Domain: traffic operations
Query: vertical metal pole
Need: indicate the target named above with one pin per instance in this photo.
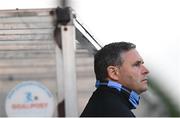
(59, 73)
(64, 3)
(68, 49)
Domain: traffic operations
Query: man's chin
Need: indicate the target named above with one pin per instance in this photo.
(144, 89)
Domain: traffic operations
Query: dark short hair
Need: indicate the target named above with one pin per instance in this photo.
(110, 55)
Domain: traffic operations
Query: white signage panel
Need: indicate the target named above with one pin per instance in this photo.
(30, 98)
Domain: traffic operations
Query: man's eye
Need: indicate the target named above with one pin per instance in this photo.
(137, 64)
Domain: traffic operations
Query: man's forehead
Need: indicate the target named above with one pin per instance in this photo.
(132, 55)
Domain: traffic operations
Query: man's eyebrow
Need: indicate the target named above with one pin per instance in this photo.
(142, 62)
(138, 62)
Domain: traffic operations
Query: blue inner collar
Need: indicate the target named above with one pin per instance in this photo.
(133, 96)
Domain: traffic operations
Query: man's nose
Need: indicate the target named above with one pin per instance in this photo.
(145, 70)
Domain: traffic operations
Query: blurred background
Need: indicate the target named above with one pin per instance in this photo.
(153, 25)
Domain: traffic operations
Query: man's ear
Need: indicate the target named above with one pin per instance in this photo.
(112, 72)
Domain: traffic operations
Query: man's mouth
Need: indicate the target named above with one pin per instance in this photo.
(144, 80)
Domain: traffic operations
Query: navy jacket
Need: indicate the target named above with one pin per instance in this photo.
(109, 102)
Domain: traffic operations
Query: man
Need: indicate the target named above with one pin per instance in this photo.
(121, 77)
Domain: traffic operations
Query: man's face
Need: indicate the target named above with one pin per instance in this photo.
(132, 72)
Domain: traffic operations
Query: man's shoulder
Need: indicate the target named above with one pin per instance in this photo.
(109, 98)
(104, 102)
(107, 93)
